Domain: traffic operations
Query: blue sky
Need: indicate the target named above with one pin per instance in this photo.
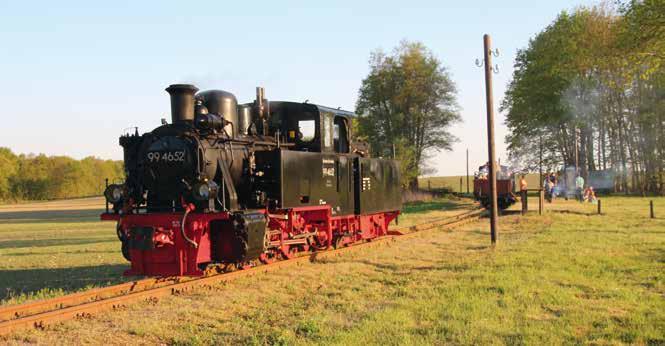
(76, 74)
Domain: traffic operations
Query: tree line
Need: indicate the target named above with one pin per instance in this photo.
(41, 177)
(590, 90)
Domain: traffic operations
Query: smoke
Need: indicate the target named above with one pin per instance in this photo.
(582, 101)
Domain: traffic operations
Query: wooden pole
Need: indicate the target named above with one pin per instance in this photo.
(599, 208)
(541, 161)
(541, 200)
(467, 172)
(653, 216)
(494, 211)
(106, 186)
(460, 185)
(577, 158)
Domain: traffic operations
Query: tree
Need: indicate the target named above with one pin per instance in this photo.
(8, 163)
(406, 104)
(591, 85)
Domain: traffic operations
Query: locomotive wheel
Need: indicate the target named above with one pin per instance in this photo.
(339, 242)
(125, 251)
(287, 251)
(267, 258)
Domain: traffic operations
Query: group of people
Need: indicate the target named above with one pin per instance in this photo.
(582, 193)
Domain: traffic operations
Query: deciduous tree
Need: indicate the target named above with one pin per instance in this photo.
(406, 105)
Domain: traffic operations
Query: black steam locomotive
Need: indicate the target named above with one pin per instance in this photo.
(238, 184)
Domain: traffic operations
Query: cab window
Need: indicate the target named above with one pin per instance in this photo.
(340, 135)
(306, 130)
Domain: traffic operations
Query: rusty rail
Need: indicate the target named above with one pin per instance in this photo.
(38, 314)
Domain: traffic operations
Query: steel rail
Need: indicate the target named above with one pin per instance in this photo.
(16, 311)
(41, 313)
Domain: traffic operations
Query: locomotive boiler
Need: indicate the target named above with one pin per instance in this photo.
(245, 183)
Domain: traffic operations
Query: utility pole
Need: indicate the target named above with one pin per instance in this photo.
(467, 171)
(541, 193)
(577, 158)
(494, 213)
(541, 160)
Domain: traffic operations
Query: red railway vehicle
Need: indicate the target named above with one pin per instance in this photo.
(504, 187)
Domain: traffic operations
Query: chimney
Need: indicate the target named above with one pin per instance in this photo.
(182, 102)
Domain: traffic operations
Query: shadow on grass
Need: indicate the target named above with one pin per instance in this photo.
(422, 207)
(50, 216)
(655, 254)
(34, 282)
(19, 254)
(575, 212)
(510, 212)
(23, 243)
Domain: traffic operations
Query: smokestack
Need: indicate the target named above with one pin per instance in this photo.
(182, 102)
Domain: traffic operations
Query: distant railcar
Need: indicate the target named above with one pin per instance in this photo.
(504, 188)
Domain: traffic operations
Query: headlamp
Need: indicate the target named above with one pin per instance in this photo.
(204, 190)
(114, 193)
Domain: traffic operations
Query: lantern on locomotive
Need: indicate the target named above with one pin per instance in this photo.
(241, 183)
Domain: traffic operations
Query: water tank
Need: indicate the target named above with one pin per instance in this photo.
(224, 104)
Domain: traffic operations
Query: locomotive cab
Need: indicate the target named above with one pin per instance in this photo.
(311, 127)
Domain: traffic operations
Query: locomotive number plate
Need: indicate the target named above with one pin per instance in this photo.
(328, 168)
(166, 156)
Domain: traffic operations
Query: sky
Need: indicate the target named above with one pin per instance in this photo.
(76, 75)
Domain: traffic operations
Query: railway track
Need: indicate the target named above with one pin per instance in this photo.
(41, 313)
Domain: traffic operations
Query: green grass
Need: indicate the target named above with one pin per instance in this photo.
(453, 182)
(52, 248)
(567, 277)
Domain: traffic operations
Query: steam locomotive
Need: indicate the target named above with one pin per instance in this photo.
(239, 184)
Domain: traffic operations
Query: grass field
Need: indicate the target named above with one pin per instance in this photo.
(51, 248)
(453, 182)
(565, 277)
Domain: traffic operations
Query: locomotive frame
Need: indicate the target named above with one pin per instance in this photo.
(236, 184)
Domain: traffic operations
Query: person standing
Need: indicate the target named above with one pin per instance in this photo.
(553, 185)
(579, 187)
(523, 183)
(523, 188)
